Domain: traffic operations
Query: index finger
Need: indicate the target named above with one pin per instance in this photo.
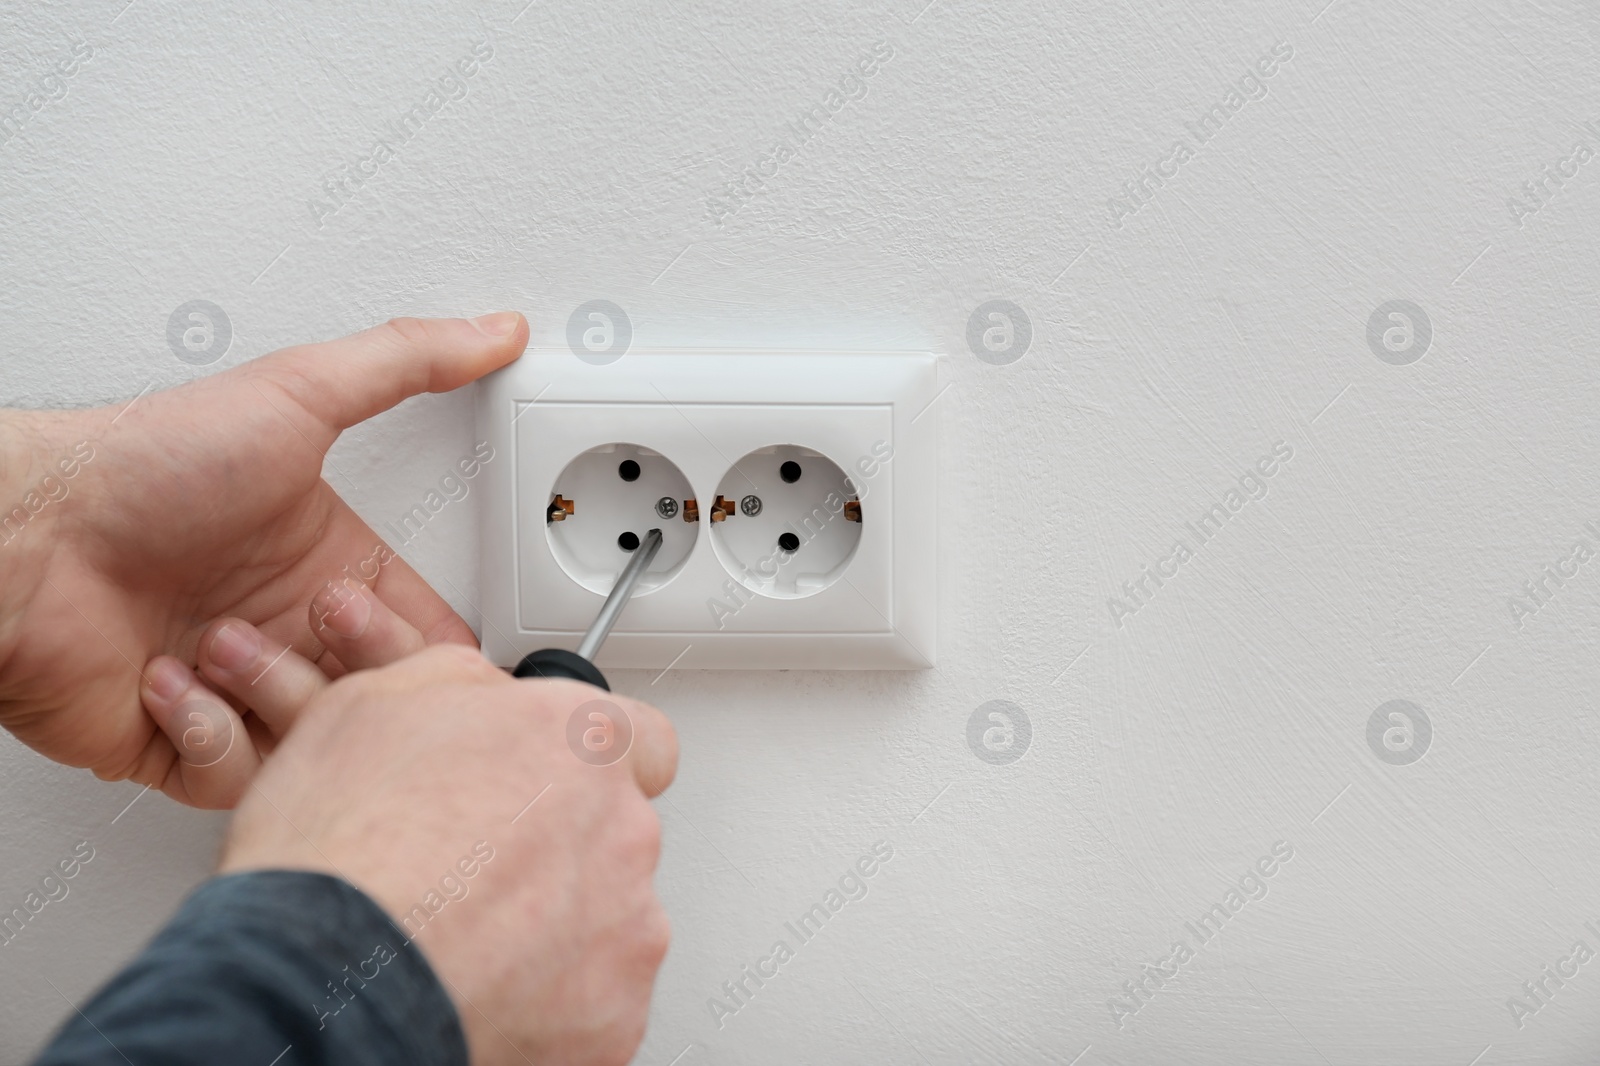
(603, 729)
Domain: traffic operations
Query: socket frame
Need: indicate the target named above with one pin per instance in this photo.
(705, 410)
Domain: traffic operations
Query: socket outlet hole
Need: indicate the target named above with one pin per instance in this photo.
(805, 531)
(609, 507)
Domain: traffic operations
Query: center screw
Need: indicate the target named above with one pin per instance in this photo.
(666, 507)
(750, 505)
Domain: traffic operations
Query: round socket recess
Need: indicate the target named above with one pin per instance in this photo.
(603, 505)
(791, 521)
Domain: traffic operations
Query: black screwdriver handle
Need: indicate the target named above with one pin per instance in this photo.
(559, 662)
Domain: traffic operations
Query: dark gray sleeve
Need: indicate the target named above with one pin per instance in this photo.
(273, 968)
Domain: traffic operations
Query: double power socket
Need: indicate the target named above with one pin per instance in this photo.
(795, 494)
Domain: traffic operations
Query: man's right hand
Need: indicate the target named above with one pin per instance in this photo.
(392, 776)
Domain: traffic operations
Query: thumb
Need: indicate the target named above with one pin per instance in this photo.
(349, 380)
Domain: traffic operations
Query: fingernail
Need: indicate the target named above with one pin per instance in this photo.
(234, 647)
(499, 324)
(349, 610)
(168, 678)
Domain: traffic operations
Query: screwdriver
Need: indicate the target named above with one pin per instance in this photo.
(579, 665)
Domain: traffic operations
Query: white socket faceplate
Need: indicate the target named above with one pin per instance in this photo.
(716, 418)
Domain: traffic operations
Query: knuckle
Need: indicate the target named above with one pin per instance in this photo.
(663, 734)
(109, 773)
(441, 662)
(657, 938)
(290, 371)
(628, 1029)
(650, 833)
(352, 693)
(358, 683)
(640, 832)
(407, 332)
(149, 766)
(455, 656)
(669, 749)
(555, 699)
(625, 1042)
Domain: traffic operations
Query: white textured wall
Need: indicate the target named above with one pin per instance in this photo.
(1169, 353)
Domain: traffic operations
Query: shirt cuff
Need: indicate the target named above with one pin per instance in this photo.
(274, 961)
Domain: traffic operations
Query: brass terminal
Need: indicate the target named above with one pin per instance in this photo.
(852, 511)
(691, 510)
(723, 508)
(559, 509)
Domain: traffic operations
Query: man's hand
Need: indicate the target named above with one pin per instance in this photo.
(248, 690)
(399, 779)
(202, 501)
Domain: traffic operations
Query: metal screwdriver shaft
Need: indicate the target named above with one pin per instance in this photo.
(611, 610)
(579, 665)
